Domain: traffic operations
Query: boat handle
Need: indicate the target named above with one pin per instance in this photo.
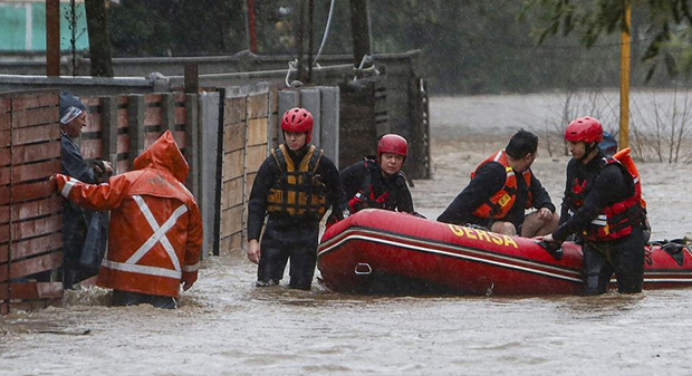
(359, 268)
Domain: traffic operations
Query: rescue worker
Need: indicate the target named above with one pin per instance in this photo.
(294, 186)
(78, 224)
(378, 182)
(155, 234)
(602, 206)
(502, 187)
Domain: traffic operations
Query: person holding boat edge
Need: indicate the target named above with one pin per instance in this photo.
(378, 182)
(502, 187)
(603, 206)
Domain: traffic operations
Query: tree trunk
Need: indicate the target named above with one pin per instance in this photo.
(99, 40)
(360, 30)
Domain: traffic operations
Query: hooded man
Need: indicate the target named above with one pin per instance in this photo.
(83, 230)
(155, 234)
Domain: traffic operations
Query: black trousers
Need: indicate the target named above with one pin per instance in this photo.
(126, 298)
(289, 238)
(624, 257)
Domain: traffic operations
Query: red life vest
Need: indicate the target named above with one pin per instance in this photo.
(502, 201)
(616, 220)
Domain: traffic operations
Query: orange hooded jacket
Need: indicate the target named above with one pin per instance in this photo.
(155, 233)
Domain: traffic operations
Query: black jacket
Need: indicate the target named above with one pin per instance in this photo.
(355, 177)
(269, 172)
(489, 179)
(606, 185)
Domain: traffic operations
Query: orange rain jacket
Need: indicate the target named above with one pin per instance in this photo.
(155, 234)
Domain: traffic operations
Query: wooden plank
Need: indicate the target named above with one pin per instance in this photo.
(32, 100)
(150, 138)
(35, 116)
(35, 265)
(233, 137)
(225, 244)
(5, 137)
(4, 156)
(255, 156)
(36, 227)
(5, 121)
(180, 115)
(231, 221)
(153, 116)
(26, 248)
(4, 194)
(34, 171)
(234, 110)
(152, 98)
(32, 191)
(33, 209)
(36, 290)
(4, 253)
(122, 166)
(35, 152)
(39, 133)
(123, 117)
(4, 289)
(5, 104)
(123, 145)
(232, 165)
(180, 138)
(257, 106)
(91, 148)
(4, 308)
(94, 123)
(232, 193)
(257, 131)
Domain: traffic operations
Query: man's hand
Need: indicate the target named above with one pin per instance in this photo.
(545, 215)
(549, 239)
(108, 166)
(253, 251)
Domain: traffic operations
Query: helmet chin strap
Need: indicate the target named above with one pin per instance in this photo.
(588, 148)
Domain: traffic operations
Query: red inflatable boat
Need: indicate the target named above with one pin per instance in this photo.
(383, 252)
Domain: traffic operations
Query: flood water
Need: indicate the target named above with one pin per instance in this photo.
(225, 326)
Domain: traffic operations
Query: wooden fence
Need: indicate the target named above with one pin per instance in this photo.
(119, 129)
(247, 137)
(30, 219)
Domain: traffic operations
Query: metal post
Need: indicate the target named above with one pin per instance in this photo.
(53, 38)
(252, 31)
(301, 27)
(311, 27)
(625, 53)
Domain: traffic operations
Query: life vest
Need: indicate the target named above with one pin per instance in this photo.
(499, 204)
(298, 192)
(365, 198)
(616, 220)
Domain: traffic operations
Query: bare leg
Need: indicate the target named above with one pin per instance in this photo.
(533, 226)
(506, 228)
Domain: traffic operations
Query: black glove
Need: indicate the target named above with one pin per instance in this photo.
(553, 248)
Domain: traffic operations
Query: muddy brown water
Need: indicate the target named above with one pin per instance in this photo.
(225, 326)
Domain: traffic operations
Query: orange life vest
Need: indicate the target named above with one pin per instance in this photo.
(503, 200)
(616, 220)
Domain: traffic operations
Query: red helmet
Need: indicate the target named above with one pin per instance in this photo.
(298, 120)
(585, 129)
(392, 143)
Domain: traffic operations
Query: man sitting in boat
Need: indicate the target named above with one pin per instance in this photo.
(502, 187)
(603, 205)
(378, 182)
(295, 186)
